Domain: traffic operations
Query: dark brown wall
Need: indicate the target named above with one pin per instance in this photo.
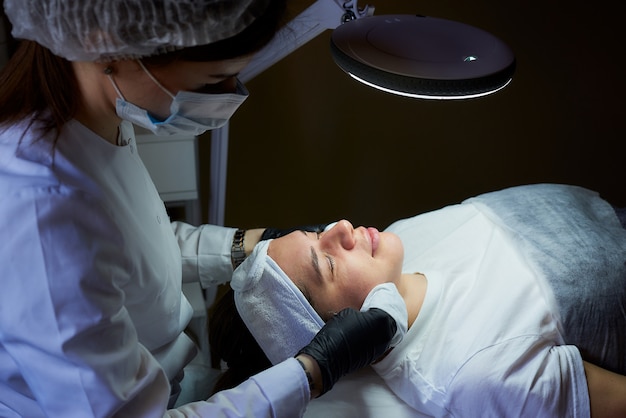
(311, 145)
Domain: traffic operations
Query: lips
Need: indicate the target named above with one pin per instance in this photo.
(374, 236)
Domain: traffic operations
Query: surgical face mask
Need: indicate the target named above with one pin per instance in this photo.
(191, 113)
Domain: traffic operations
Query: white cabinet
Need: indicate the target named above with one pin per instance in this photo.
(172, 164)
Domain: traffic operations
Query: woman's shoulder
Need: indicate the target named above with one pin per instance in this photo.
(14, 133)
(35, 159)
(25, 152)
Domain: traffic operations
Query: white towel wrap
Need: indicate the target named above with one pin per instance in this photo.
(278, 315)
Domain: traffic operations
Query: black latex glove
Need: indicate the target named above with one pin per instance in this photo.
(349, 341)
(271, 233)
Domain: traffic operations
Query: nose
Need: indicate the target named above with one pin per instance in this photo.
(228, 85)
(342, 235)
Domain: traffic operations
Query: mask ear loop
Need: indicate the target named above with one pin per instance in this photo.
(109, 71)
(154, 79)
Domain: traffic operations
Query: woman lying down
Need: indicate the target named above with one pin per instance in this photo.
(515, 302)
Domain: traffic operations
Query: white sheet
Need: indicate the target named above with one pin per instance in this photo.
(362, 394)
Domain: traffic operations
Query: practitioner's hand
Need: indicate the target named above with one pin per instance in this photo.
(251, 238)
(271, 233)
(349, 341)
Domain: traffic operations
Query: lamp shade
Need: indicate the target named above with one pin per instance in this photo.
(425, 57)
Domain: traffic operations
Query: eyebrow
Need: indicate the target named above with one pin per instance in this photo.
(316, 264)
(314, 261)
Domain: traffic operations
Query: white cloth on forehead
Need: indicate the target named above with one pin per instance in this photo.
(278, 315)
(98, 30)
(272, 307)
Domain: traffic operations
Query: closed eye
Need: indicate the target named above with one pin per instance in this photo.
(331, 264)
(331, 261)
(314, 259)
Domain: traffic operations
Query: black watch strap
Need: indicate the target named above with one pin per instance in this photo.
(237, 252)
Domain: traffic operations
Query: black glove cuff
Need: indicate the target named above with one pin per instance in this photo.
(349, 341)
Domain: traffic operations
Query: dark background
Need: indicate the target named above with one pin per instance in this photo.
(311, 145)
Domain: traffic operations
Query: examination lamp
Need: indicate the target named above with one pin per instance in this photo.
(414, 56)
(410, 55)
(422, 57)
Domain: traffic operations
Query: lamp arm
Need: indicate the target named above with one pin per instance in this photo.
(352, 11)
(320, 16)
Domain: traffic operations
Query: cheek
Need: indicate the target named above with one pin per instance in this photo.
(356, 286)
(350, 294)
(394, 256)
(155, 101)
(327, 308)
(332, 301)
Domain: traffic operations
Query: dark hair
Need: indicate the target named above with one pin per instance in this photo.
(231, 342)
(37, 84)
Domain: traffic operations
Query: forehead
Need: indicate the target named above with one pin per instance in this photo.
(292, 253)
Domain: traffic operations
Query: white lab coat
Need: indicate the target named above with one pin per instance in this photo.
(91, 308)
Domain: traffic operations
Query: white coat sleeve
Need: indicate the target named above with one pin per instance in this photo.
(517, 379)
(68, 347)
(281, 392)
(205, 252)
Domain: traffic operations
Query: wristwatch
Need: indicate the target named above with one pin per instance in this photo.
(237, 252)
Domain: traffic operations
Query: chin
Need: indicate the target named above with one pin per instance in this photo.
(392, 249)
(392, 244)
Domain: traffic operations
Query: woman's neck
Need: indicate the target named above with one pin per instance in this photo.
(97, 111)
(412, 288)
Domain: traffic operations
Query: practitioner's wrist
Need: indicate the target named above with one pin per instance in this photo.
(251, 239)
(313, 374)
(244, 242)
(237, 252)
